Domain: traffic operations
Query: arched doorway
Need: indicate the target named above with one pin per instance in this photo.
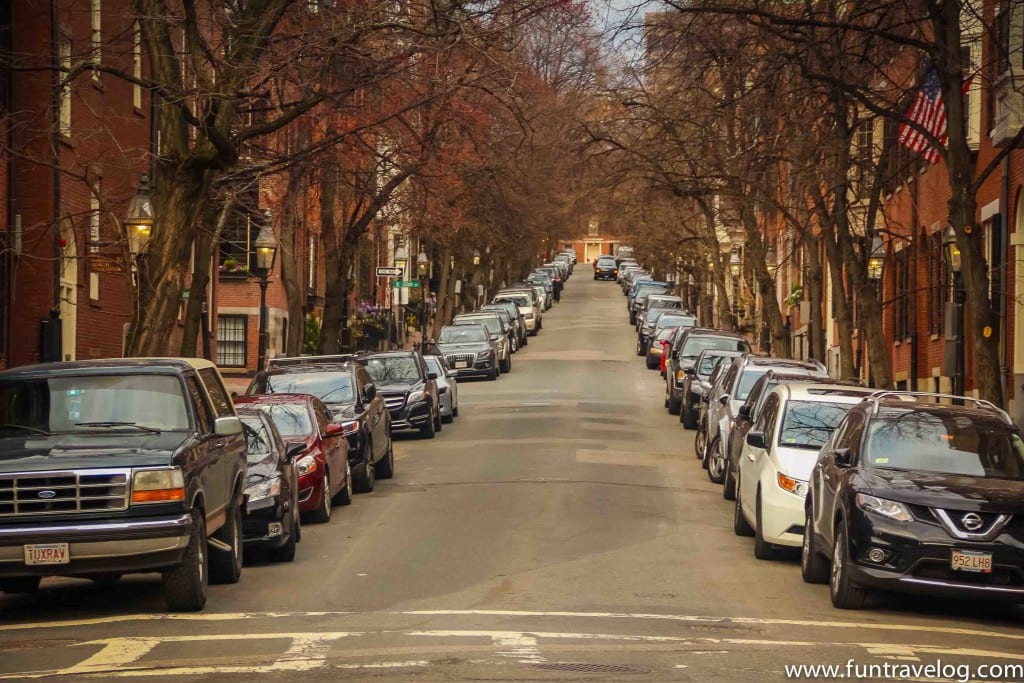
(68, 293)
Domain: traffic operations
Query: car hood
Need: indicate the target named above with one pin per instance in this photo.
(797, 463)
(261, 471)
(945, 490)
(34, 453)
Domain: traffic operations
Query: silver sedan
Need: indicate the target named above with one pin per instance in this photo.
(447, 387)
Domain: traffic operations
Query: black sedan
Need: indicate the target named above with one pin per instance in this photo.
(605, 268)
(271, 520)
(918, 497)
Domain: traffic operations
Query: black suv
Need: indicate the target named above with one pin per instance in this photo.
(115, 466)
(345, 387)
(605, 268)
(408, 388)
(919, 497)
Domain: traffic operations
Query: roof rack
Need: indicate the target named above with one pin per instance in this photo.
(914, 395)
(289, 361)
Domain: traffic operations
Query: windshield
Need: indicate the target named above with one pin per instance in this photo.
(460, 334)
(291, 419)
(606, 262)
(328, 386)
(694, 345)
(257, 438)
(747, 380)
(676, 321)
(665, 333)
(390, 369)
(493, 325)
(518, 299)
(809, 424)
(88, 403)
(708, 363)
(947, 444)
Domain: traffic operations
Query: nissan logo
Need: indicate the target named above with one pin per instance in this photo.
(47, 494)
(972, 521)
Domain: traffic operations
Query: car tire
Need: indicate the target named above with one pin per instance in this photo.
(740, 526)
(455, 409)
(763, 550)
(674, 405)
(438, 422)
(729, 485)
(700, 443)
(449, 418)
(286, 552)
(493, 375)
(639, 348)
(386, 467)
(652, 364)
(506, 365)
(716, 462)
(688, 416)
(845, 594)
(344, 496)
(226, 565)
(428, 430)
(20, 584)
(813, 565)
(322, 514)
(185, 585)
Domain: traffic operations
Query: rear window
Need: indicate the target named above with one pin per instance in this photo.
(328, 386)
(291, 419)
(747, 380)
(708, 363)
(809, 424)
(606, 261)
(947, 444)
(676, 321)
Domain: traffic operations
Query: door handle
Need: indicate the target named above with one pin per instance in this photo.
(220, 444)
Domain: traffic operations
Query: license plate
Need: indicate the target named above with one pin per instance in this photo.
(462, 364)
(969, 561)
(47, 553)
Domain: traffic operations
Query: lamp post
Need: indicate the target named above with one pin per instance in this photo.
(422, 266)
(955, 262)
(876, 259)
(266, 254)
(735, 269)
(139, 219)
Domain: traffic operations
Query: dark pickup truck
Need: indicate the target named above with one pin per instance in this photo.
(116, 466)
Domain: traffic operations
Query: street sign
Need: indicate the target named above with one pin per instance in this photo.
(389, 271)
(407, 283)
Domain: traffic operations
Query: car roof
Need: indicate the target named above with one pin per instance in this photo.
(782, 363)
(121, 364)
(327, 359)
(269, 399)
(897, 403)
(826, 392)
(713, 332)
(289, 369)
(664, 297)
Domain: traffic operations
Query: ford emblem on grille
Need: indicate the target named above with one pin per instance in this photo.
(47, 494)
(972, 521)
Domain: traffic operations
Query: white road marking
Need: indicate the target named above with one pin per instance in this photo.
(115, 654)
(206, 616)
(522, 648)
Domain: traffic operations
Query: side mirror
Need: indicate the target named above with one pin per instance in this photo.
(450, 374)
(755, 439)
(431, 375)
(843, 457)
(294, 450)
(744, 412)
(370, 391)
(227, 426)
(334, 429)
(723, 399)
(686, 371)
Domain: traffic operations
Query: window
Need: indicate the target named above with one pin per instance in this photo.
(993, 235)
(938, 283)
(203, 413)
(232, 344)
(237, 254)
(219, 396)
(94, 217)
(64, 54)
(902, 286)
(137, 66)
(96, 16)
(312, 264)
(1003, 38)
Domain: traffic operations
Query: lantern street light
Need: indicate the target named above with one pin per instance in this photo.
(876, 259)
(422, 264)
(476, 257)
(771, 260)
(266, 254)
(735, 266)
(139, 219)
(954, 261)
(401, 257)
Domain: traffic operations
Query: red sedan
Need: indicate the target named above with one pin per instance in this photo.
(316, 446)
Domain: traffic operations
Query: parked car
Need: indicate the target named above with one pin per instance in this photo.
(115, 466)
(322, 462)
(508, 323)
(731, 394)
(777, 458)
(544, 281)
(496, 330)
(272, 523)
(409, 390)
(658, 317)
(347, 390)
(469, 351)
(686, 347)
(605, 268)
(696, 380)
(750, 412)
(515, 315)
(529, 307)
(918, 497)
(656, 347)
(623, 253)
(447, 387)
(639, 294)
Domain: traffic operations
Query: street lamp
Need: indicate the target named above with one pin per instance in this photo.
(476, 257)
(771, 260)
(954, 261)
(876, 259)
(266, 254)
(401, 257)
(421, 263)
(139, 219)
(735, 266)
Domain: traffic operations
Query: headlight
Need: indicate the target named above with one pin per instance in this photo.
(166, 485)
(483, 355)
(349, 427)
(794, 486)
(886, 508)
(267, 489)
(415, 396)
(306, 465)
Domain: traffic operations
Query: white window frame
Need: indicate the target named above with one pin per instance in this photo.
(64, 55)
(96, 35)
(137, 66)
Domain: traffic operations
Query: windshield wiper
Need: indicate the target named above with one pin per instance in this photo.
(151, 430)
(334, 391)
(25, 428)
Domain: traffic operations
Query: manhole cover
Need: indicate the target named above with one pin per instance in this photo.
(588, 668)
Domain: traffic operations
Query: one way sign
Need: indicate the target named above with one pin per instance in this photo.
(389, 271)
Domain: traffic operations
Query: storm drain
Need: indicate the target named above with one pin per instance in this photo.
(589, 668)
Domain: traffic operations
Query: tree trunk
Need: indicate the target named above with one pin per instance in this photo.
(443, 294)
(206, 244)
(841, 304)
(292, 270)
(814, 278)
(770, 310)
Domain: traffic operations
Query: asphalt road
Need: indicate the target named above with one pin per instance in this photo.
(560, 529)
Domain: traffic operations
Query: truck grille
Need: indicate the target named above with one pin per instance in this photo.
(395, 402)
(453, 358)
(40, 493)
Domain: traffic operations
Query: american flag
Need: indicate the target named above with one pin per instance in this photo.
(929, 112)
